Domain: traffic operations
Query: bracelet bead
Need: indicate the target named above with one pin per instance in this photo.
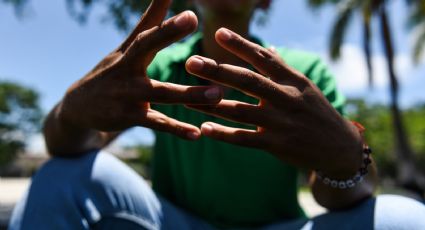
(352, 182)
(359, 176)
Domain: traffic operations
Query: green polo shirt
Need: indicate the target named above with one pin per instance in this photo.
(225, 184)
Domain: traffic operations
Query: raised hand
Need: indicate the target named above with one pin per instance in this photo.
(117, 93)
(294, 120)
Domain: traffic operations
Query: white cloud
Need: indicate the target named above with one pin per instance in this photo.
(36, 145)
(351, 70)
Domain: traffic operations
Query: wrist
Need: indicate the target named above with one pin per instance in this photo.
(349, 157)
(64, 122)
(348, 182)
(345, 179)
(62, 116)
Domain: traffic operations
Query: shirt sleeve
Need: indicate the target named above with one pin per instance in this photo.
(326, 82)
(317, 71)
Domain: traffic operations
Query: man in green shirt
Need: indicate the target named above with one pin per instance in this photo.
(218, 177)
(247, 118)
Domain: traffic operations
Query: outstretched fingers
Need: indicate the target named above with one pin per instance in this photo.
(153, 16)
(147, 43)
(237, 136)
(160, 122)
(264, 60)
(235, 111)
(169, 93)
(236, 77)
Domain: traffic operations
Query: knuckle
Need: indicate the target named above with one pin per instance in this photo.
(178, 129)
(219, 134)
(163, 26)
(167, 93)
(213, 68)
(147, 40)
(242, 42)
(142, 38)
(250, 79)
(302, 83)
(266, 56)
(167, 30)
(162, 121)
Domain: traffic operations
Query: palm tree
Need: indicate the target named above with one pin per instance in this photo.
(118, 12)
(408, 176)
(416, 22)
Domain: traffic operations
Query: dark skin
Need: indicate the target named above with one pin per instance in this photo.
(117, 93)
(294, 120)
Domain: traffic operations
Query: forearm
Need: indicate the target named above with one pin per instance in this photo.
(335, 198)
(68, 140)
(355, 167)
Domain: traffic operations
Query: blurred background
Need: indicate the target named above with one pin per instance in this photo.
(374, 48)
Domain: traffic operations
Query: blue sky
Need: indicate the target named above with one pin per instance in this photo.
(48, 50)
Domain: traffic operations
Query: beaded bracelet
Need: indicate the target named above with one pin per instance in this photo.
(358, 177)
(353, 181)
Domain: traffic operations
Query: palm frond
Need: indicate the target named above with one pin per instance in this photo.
(119, 12)
(319, 3)
(18, 5)
(367, 36)
(345, 12)
(416, 23)
(419, 45)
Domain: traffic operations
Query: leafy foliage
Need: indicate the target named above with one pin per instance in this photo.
(20, 116)
(345, 12)
(379, 134)
(408, 174)
(120, 12)
(17, 4)
(369, 8)
(123, 14)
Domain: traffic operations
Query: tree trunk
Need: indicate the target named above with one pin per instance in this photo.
(408, 176)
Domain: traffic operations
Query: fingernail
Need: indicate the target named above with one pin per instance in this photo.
(193, 135)
(206, 128)
(213, 93)
(224, 34)
(182, 20)
(196, 64)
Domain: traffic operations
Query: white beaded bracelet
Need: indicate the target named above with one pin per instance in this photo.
(353, 181)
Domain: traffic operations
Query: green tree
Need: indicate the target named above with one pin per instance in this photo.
(377, 119)
(407, 174)
(119, 12)
(122, 13)
(20, 117)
